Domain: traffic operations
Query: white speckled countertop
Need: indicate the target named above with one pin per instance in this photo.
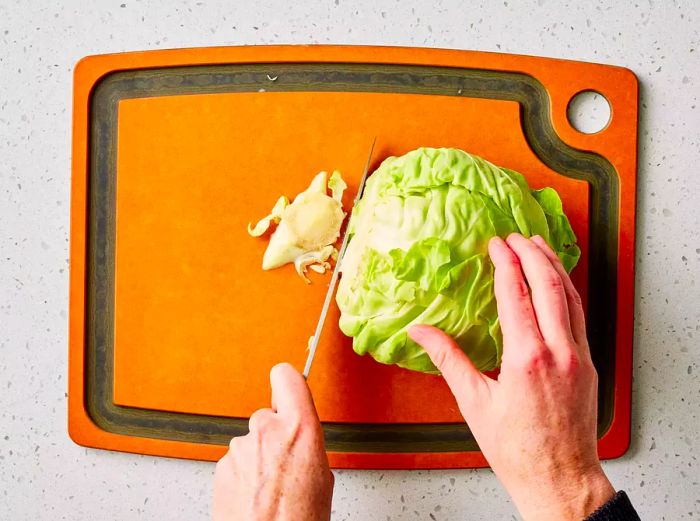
(43, 475)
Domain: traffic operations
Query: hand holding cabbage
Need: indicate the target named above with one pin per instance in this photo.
(418, 253)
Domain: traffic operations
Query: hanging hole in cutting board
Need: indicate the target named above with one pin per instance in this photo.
(589, 112)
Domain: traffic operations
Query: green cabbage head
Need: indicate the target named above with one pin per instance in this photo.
(418, 253)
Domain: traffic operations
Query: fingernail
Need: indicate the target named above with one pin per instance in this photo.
(282, 366)
(417, 333)
(497, 241)
(511, 236)
(541, 243)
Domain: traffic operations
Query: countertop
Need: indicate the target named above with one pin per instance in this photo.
(44, 475)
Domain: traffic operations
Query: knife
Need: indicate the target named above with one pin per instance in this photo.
(334, 278)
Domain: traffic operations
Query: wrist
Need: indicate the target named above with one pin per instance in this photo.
(565, 496)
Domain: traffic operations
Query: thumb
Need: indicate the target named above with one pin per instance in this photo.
(465, 380)
(290, 394)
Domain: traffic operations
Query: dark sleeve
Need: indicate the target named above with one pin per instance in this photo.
(618, 508)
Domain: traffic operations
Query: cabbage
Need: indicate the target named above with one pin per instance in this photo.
(337, 186)
(306, 228)
(315, 260)
(275, 216)
(418, 253)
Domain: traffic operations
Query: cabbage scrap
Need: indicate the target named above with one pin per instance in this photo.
(315, 260)
(337, 186)
(275, 216)
(306, 228)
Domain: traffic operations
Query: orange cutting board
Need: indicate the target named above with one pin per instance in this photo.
(174, 326)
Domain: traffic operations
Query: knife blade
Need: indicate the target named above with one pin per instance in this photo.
(334, 277)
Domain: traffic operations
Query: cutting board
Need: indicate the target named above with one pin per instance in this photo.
(173, 324)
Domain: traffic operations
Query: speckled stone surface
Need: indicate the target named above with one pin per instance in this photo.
(43, 475)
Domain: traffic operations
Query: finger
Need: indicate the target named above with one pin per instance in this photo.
(515, 312)
(465, 381)
(235, 443)
(235, 447)
(290, 394)
(224, 479)
(548, 295)
(576, 314)
(259, 418)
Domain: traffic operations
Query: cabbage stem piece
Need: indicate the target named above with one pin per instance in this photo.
(306, 228)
